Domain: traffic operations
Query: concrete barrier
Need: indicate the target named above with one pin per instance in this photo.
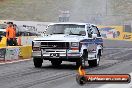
(2, 54)
(3, 42)
(10, 53)
(25, 52)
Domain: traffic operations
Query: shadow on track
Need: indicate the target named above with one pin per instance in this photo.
(63, 67)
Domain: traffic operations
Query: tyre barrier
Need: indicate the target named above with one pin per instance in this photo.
(11, 53)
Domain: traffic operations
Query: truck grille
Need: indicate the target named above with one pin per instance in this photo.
(55, 45)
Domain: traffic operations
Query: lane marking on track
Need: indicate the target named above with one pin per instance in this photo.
(113, 54)
(10, 62)
(118, 48)
(129, 85)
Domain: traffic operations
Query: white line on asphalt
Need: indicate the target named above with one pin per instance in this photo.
(14, 61)
(118, 48)
(128, 85)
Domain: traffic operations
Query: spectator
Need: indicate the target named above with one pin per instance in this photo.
(10, 34)
(15, 40)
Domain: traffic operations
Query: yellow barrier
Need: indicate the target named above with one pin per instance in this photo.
(17, 52)
(127, 36)
(22, 52)
(25, 52)
(114, 33)
(3, 42)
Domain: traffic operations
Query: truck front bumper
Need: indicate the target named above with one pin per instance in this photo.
(49, 54)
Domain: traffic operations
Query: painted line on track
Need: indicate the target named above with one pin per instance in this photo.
(10, 62)
(117, 48)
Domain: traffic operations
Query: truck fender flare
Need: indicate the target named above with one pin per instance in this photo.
(83, 47)
(99, 47)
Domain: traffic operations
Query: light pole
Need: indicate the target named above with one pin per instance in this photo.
(106, 7)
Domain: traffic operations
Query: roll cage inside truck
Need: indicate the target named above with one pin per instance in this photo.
(75, 42)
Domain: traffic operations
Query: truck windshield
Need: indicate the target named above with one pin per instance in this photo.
(71, 29)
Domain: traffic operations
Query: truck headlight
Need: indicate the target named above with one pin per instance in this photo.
(36, 44)
(74, 44)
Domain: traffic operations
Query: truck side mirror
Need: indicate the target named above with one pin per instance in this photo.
(94, 35)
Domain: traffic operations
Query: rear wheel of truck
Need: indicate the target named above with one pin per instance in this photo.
(56, 62)
(37, 62)
(95, 62)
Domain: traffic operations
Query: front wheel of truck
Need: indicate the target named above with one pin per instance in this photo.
(37, 62)
(81, 61)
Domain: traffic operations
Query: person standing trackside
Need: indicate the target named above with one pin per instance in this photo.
(15, 40)
(10, 34)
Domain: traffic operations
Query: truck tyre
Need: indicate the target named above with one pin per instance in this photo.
(37, 62)
(81, 80)
(56, 62)
(81, 61)
(100, 52)
(95, 62)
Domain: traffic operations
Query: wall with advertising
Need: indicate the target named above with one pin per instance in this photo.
(127, 36)
(15, 53)
(107, 32)
(12, 53)
(114, 33)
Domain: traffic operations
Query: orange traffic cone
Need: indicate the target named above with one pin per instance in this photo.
(19, 41)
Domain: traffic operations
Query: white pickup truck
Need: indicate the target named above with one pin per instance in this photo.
(68, 41)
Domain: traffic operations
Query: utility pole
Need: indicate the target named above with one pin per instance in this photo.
(106, 7)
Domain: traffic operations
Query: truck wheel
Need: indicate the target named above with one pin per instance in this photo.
(56, 62)
(81, 61)
(94, 63)
(37, 62)
(81, 80)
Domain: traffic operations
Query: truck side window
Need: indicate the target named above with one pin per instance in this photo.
(96, 31)
(89, 32)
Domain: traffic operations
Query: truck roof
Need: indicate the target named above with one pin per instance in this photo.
(78, 23)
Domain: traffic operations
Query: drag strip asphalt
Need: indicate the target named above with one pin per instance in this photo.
(24, 75)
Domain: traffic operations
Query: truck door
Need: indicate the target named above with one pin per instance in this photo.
(91, 41)
(98, 40)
